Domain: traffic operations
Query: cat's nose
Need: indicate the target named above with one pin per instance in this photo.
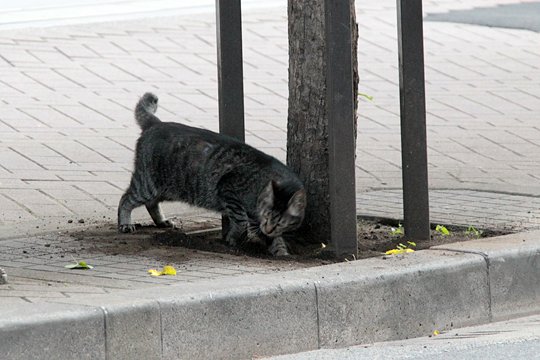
(268, 229)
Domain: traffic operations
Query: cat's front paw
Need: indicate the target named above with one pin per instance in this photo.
(126, 228)
(230, 239)
(253, 236)
(278, 247)
(166, 224)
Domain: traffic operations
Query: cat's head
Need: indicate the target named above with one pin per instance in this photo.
(280, 209)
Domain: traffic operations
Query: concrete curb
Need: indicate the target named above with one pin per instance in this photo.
(337, 305)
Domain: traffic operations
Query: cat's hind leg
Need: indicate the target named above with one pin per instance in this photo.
(159, 219)
(128, 202)
(139, 193)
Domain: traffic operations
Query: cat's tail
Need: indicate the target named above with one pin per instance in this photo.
(145, 110)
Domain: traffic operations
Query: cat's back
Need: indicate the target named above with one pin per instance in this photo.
(177, 148)
(204, 150)
(174, 132)
(195, 140)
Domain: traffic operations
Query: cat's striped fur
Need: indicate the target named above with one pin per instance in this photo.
(261, 196)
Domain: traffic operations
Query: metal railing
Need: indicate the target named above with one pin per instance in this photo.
(413, 119)
(340, 109)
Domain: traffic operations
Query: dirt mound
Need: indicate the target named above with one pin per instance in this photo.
(190, 239)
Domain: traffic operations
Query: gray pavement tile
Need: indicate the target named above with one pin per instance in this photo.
(25, 294)
(13, 301)
(114, 275)
(123, 266)
(14, 262)
(51, 268)
(221, 272)
(15, 213)
(14, 243)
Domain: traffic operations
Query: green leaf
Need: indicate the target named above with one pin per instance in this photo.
(413, 244)
(471, 230)
(441, 229)
(365, 96)
(80, 265)
(398, 230)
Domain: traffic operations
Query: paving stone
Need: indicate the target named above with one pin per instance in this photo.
(24, 294)
(67, 193)
(51, 118)
(13, 160)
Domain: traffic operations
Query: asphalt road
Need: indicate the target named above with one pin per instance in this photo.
(524, 16)
(513, 339)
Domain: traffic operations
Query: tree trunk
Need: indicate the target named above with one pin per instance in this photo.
(307, 135)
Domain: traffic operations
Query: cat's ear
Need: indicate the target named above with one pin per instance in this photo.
(297, 203)
(266, 197)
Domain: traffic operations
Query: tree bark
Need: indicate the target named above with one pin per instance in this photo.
(307, 134)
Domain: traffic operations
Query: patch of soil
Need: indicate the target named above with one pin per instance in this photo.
(193, 239)
(376, 236)
(189, 241)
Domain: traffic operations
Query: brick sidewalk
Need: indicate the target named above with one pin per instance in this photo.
(36, 265)
(68, 92)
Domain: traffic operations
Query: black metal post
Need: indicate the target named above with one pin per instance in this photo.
(340, 110)
(413, 119)
(230, 68)
(230, 73)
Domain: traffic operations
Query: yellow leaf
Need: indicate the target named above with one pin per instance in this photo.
(436, 332)
(168, 270)
(154, 272)
(398, 251)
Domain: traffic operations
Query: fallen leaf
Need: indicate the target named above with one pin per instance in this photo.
(154, 272)
(79, 265)
(398, 251)
(441, 229)
(167, 270)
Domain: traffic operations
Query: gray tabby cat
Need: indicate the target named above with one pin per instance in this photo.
(173, 162)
